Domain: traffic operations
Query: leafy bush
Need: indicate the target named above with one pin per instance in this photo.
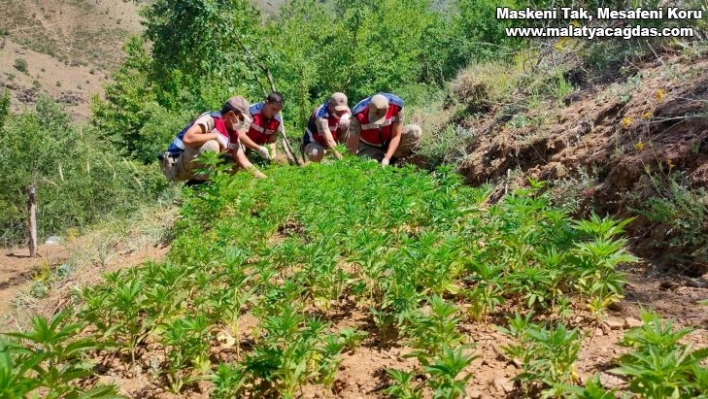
(79, 177)
(680, 215)
(4, 107)
(353, 47)
(659, 365)
(443, 147)
(20, 64)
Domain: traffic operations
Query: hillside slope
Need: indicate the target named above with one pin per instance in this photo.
(70, 47)
(634, 144)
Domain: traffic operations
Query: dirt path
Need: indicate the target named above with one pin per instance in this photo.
(18, 272)
(17, 269)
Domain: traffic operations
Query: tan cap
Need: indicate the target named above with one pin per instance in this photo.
(378, 107)
(339, 101)
(241, 105)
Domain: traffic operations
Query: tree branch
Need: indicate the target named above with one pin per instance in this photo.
(286, 144)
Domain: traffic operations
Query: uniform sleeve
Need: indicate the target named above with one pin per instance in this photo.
(207, 122)
(322, 125)
(278, 117)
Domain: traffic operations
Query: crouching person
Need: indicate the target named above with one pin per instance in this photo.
(266, 122)
(327, 127)
(376, 130)
(215, 132)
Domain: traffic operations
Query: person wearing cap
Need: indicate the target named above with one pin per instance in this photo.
(328, 125)
(376, 130)
(215, 132)
(264, 127)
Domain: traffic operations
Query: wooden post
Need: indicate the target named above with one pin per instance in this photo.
(32, 222)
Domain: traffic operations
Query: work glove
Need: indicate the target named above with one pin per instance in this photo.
(264, 152)
(384, 162)
(223, 140)
(257, 173)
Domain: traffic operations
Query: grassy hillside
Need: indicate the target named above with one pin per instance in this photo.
(629, 140)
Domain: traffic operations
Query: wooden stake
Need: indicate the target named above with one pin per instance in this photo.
(32, 221)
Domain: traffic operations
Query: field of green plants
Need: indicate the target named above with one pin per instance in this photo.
(418, 254)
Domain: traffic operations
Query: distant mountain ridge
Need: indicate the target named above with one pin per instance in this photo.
(70, 47)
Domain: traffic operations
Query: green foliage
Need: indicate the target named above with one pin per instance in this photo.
(445, 370)
(215, 48)
(20, 64)
(478, 24)
(660, 366)
(681, 215)
(228, 381)
(79, 178)
(592, 390)
(196, 37)
(138, 117)
(547, 355)
(444, 147)
(4, 107)
(431, 333)
(49, 362)
(402, 385)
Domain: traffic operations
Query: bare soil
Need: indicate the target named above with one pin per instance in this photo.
(612, 136)
(18, 272)
(70, 48)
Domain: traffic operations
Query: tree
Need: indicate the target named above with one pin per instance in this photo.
(196, 37)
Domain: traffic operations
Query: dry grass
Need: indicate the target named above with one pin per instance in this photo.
(112, 245)
(487, 84)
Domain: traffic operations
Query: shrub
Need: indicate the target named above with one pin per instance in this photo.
(660, 366)
(79, 177)
(20, 64)
(481, 85)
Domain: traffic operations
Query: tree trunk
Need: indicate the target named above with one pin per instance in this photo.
(32, 219)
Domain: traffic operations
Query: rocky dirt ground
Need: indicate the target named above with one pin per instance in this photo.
(70, 49)
(607, 145)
